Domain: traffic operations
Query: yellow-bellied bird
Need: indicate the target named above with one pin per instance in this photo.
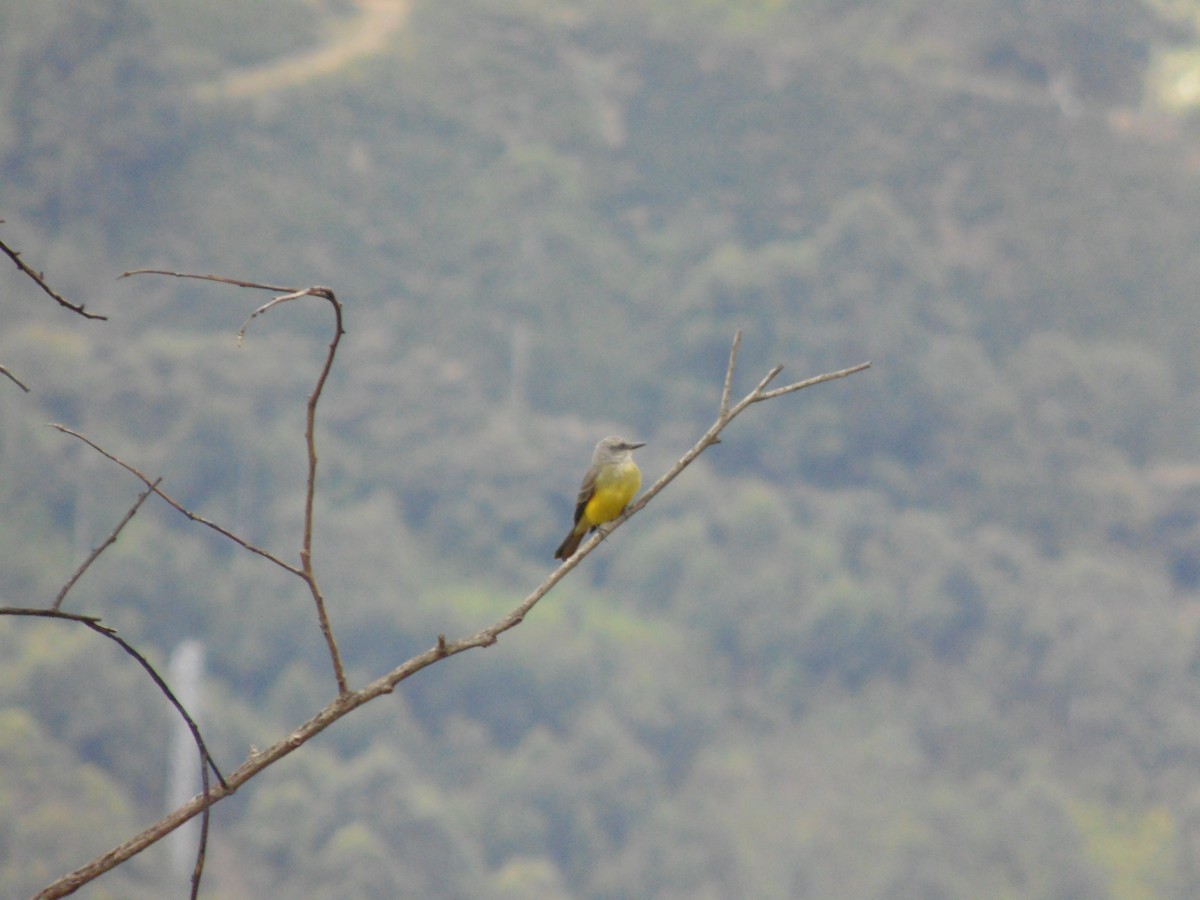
(607, 488)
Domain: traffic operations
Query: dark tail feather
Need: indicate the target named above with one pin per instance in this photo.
(569, 546)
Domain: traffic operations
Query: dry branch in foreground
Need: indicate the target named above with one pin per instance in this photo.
(349, 700)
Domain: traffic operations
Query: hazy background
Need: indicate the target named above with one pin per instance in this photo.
(932, 631)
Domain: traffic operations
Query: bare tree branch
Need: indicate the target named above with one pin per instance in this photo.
(93, 622)
(221, 279)
(767, 379)
(175, 504)
(40, 279)
(206, 760)
(760, 395)
(310, 442)
(202, 846)
(306, 567)
(348, 701)
(108, 542)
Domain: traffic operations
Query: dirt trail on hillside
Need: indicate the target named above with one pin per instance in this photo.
(366, 34)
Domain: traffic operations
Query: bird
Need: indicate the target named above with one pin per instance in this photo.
(607, 488)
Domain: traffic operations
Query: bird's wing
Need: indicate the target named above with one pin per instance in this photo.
(586, 490)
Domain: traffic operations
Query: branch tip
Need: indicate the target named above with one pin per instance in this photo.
(39, 278)
(14, 379)
(728, 386)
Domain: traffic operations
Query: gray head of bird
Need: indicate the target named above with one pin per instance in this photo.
(614, 448)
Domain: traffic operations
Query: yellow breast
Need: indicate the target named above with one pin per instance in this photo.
(615, 487)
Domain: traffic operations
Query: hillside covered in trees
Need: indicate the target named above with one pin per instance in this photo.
(931, 631)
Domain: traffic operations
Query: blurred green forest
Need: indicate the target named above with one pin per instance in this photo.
(931, 631)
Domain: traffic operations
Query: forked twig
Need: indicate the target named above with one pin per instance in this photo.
(175, 504)
(725, 415)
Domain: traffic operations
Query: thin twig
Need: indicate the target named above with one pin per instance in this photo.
(310, 428)
(108, 542)
(808, 382)
(220, 279)
(40, 279)
(733, 355)
(202, 845)
(767, 379)
(347, 702)
(176, 505)
(275, 301)
(93, 622)
(13, 378)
